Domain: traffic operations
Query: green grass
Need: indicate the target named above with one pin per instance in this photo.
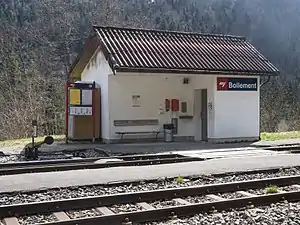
(280, 136)
(179, 180)
(272, 189)
(11, 143)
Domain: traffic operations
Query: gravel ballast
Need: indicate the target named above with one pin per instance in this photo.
(9, 159)
(89, 191)
(34, 219)
(198, 199)
(164, 204)
(290, 188)
(76, 214)
(257, 191)
(231, 195)
(275, 214)
(125, 208)
(87, 153)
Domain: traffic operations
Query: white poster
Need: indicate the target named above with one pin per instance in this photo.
(87, 97)
(80, 111)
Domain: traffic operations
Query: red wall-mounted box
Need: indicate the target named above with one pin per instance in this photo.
(175, 105)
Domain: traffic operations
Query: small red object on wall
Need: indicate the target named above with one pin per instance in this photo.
(222, 84)
(167, 105)
(175, 105)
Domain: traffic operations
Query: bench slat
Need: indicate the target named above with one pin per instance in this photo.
(141, 132)
(138, 132)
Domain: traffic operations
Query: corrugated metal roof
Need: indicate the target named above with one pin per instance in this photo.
(166, 51)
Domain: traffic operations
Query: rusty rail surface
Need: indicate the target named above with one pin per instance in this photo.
(149, 214)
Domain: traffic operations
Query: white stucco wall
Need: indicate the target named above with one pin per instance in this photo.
(234, 114)
(98, 70)
(237, 113)
(153, 90)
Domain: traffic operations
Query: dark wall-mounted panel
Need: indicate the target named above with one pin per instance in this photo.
(175, 123)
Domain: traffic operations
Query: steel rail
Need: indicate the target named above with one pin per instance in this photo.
(91, 165)
(144, 196)
(83, 160)
(185, 210)
(291, 148)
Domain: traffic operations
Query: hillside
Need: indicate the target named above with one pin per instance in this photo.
(40, 39)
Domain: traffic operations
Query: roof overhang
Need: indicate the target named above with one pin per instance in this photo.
(184, 71)
(90, 46)
(95, 40)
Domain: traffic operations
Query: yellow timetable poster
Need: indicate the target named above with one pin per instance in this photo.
(75, 96)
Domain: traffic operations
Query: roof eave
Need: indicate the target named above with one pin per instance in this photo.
(187, 71)
(80, 55)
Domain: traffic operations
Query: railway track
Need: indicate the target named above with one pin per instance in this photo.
(183, 201)
(290, 148)
(105, 162)
(92, 163)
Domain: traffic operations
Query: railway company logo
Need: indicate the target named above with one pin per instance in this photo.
(236, 84)
(222, 84)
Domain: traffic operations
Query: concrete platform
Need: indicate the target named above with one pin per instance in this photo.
(229, 153)
(108, 175)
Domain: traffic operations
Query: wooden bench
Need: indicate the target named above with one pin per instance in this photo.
(139, 132)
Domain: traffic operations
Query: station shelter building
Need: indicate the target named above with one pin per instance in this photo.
(206, 85)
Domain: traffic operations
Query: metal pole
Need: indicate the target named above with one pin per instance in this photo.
(34, 131)
(67, 112)
(93, 111)
(33, 152)
(32, 141)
